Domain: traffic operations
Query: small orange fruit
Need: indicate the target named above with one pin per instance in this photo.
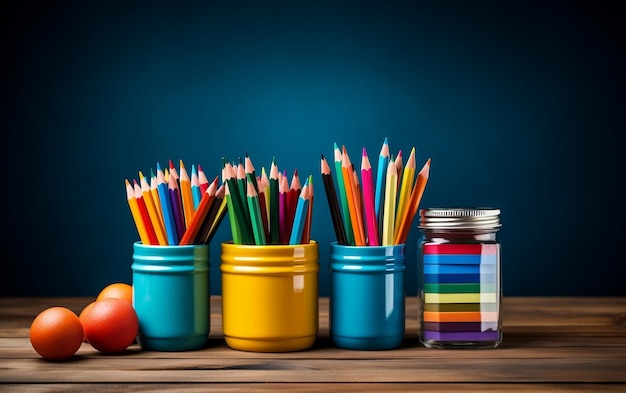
(118, 290)
(110, 325)
(82, 314)
(56, 333)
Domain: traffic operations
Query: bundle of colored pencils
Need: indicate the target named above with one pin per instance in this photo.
(175, 209)
(267, 210)
(375, 210)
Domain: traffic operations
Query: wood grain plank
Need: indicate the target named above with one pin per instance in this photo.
(549, 343)
(309, 387)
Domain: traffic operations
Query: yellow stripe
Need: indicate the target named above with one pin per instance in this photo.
(460, 298)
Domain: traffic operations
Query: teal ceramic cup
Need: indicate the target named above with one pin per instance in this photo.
(367, 297)
(171, 296)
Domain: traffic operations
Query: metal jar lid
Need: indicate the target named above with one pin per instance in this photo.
(480, 218)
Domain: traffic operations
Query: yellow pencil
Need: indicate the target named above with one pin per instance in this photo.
(157, 221)
(405, 191)
(389, 210)
(154, 190)
(187, 197)
(134, 210)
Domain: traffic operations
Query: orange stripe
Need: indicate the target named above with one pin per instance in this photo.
(461, 316)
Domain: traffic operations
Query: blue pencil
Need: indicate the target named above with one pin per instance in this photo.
(381, 175)
(301, 213)
(196, 192)
(166, 207)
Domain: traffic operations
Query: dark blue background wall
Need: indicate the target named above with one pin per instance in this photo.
(518, 104)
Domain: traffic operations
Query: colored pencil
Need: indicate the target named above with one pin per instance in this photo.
(168, 215)
(283, 211)
(134, 210)
(412, 208)
(371, 221)
(249, 170)
(293, 193)
(274, 210)
(399, 168)
(186, 194)
(300, 216)
(155, 197)
(203, 181)
(196, 192)
(152, 237)
(177, 206)
(255, 212)
(264, 184)
(390, 204)
(194, 226)
(240, 173)
(306, 230)
(383, 161)
(405, 188)
(343, 197)
(173, 172)
(351, 197)
(217, 213)
(333, 204)
(232, 217)
(153, 212)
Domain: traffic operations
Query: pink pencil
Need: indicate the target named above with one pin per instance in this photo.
(367, 181)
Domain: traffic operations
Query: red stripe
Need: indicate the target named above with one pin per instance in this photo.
(447, 248)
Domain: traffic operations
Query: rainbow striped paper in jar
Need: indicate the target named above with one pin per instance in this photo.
(461, 295)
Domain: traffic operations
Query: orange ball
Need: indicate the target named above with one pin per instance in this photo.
(111, 325)
(56, 333)
(117, 290)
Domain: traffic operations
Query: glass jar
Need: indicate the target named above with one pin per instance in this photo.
(461, 278)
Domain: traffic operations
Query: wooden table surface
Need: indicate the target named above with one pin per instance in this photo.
(550, 344)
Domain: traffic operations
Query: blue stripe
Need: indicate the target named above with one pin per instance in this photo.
(459, 278)
(459, 259)
(459, 269)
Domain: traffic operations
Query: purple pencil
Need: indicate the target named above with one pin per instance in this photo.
(177, 207)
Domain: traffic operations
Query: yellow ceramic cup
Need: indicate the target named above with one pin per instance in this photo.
(270, 296)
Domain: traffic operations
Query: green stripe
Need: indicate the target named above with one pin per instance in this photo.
(456, 307)
(460, 288)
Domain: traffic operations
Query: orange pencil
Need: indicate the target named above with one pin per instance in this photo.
(145, 216)
(134, 210)
(353, 205)
(405, 190)
(186, 195)
(412, 207)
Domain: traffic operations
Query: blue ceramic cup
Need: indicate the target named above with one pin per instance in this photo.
(367, 296)
(171, 296)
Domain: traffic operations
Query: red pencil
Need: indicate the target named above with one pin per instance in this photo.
(199, 216)
(145, 216)
(203, 181)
